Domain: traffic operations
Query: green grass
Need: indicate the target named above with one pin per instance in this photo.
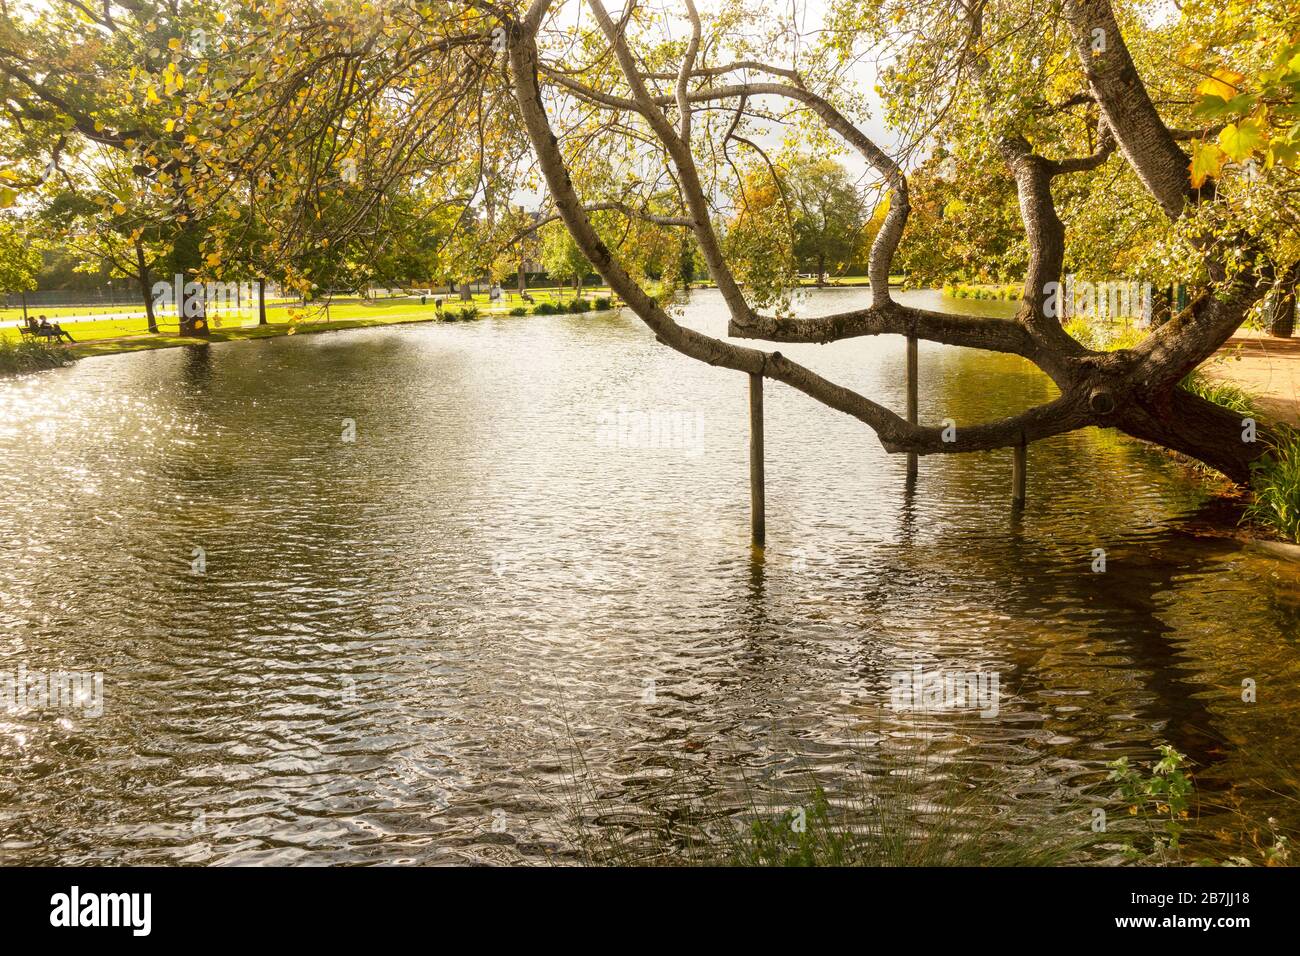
(1104, 337)
(110, 336)
(1225, 394)
(77, 311)
(831, 280)
(1275, 484)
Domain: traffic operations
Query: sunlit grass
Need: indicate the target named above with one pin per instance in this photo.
(109, 336)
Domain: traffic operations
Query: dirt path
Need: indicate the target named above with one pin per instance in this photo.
(1268, 367)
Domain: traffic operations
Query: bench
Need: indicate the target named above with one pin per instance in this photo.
(28, 332)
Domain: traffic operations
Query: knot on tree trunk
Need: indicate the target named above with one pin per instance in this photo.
(1102, 400)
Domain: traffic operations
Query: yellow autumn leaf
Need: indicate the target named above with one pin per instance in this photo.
(1207, 162)
(119, 208)
(1223, 84)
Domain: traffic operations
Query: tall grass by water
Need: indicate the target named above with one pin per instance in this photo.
(916, 814)
(27, 356)
(1276, 486)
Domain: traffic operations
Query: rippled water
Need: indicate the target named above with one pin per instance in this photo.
(399, 643)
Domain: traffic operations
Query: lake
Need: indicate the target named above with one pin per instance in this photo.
(398, 595)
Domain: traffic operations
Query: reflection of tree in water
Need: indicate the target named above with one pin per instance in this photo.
(1099, 664)
(196, 369)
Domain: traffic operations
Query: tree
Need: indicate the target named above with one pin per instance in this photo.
(20, 262)
(562, 258)
(830, 213)
(1135, 390)
(964, 225)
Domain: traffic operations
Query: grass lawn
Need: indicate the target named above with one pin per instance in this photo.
(77, 311)
(109, 336)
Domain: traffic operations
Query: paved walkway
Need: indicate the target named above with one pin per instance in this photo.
(1268, 367)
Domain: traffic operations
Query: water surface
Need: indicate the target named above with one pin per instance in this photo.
(398, 643)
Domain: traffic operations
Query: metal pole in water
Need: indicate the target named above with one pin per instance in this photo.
(1019, 461)
(912, 405)
(758, 525)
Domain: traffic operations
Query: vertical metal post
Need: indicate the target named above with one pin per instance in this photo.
(1019, 462)
(912, 404)
(758, 524)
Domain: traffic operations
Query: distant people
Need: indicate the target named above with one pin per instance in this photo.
(526, 297)
(52, 330)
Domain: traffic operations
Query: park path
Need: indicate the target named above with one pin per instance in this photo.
(1266, 366)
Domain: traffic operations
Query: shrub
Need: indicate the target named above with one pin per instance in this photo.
(544, 308)
(519, 310)
(28, 356)
(579, 305)
(603, 302)
(1160, 798)
(995, 293)
(1104, 338)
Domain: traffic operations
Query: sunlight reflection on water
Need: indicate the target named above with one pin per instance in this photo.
(398, 643)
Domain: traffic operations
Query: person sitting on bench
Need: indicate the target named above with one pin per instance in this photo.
(52, 330)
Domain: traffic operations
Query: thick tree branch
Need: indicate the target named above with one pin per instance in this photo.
(1143, 138)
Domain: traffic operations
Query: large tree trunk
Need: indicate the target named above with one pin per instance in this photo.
(1182, 422)
(261, 302)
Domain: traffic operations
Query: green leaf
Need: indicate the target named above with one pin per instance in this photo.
(1239, 140)
(1210, 107)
